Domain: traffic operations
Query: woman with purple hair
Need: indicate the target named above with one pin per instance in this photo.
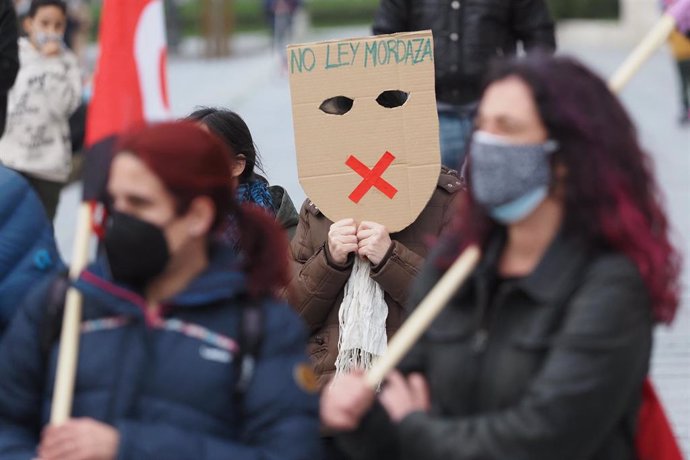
(543, 352)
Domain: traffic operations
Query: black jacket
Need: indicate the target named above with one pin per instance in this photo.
(467, 35)
(545, 367)
(9, 55)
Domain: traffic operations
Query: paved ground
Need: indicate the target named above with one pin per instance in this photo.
(251, 84)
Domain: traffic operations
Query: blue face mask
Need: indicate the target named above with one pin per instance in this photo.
(519, 208)
(42, 38)
(509, 180)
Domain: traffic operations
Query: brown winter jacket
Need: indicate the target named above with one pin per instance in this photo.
(316, 289)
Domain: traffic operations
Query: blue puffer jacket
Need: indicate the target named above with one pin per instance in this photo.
(166, 382)
(27, 246)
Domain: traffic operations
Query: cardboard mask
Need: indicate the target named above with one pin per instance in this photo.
(366, 126)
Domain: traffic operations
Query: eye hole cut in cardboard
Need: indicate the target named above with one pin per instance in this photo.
(392, 98)
(338, 105)
(378, 158)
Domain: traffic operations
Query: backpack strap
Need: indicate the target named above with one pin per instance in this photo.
(250, 340)
(51, 323)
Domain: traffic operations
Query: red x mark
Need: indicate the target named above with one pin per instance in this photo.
(372, 177)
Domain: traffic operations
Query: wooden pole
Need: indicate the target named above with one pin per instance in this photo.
(69, 337)
(677, 16)
(422, 317)
(651, 42)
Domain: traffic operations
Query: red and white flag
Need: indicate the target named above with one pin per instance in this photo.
(130, 83)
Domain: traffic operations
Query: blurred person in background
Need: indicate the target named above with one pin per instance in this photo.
(543, 352)
(184, 351)
(78, 27)
(47, 92)
(467, 35)
(680, 47)
(280, 17)
(173, 24)
(9, 55)
(252, 187)
(22, 9)
(27, 246)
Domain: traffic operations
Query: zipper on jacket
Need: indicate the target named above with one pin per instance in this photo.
(488, 311)
(488, 317)
(479, 339)
(481, 334)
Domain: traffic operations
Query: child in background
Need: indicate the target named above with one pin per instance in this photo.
(36, 142)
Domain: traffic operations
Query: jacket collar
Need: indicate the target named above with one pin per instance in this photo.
(555, 276)
(221, 280)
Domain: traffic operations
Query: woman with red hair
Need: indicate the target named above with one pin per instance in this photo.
(542, 354)
(185, 352)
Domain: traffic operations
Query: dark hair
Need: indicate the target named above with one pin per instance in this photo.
(36, 4)
(611, 198)
(233, 131)
(191, 163)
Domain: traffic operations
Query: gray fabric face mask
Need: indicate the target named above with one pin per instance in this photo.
(43, 38)
(503, 172)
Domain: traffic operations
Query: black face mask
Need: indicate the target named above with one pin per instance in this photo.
(137, 250)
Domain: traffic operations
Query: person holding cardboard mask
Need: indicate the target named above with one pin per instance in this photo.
(543, 352)
(367, 147)
(326, 253)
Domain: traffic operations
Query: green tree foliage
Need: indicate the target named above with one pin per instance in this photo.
(584, 9)
(249, 14)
